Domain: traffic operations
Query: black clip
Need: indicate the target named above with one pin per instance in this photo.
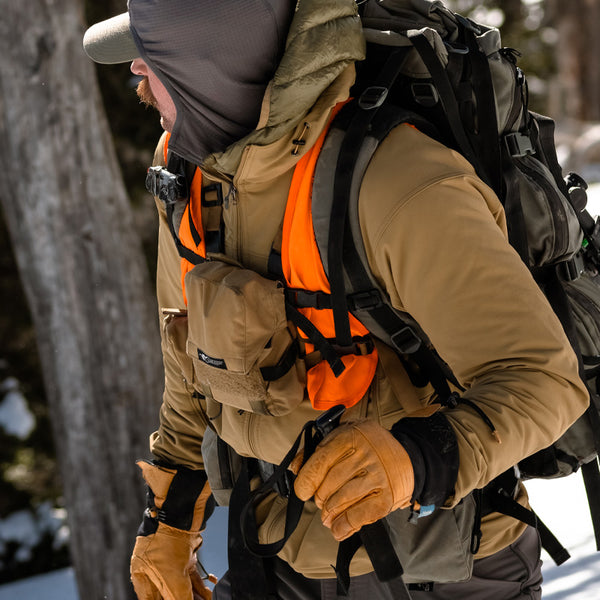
(328, 421)
(406, 341)
(518, 144)
(167, 186)
(373, 97)
(365, 300)
(425, 94)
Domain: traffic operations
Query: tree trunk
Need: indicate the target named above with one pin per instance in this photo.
(578, 55)
(85, 278)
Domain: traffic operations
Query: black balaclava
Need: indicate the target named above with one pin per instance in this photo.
(215, 58)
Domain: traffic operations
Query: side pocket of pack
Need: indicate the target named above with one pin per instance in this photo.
(577, 445)
(244, 352)
(553, 231)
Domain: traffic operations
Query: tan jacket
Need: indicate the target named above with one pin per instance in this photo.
(436, 239)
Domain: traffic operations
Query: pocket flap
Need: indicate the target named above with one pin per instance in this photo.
(232, 314)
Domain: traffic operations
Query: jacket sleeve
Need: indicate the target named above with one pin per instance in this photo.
(437, 243)
(182, 421)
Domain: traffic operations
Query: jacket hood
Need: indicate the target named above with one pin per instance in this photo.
(215, 58)
(239, 72)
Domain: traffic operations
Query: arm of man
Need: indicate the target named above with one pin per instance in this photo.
(442, 254)
(436, 240)
(164, 563)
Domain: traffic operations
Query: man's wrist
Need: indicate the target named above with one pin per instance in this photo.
(433, 450)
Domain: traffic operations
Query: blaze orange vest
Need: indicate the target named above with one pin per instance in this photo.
(302, 269)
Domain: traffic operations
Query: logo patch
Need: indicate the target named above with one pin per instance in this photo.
(219, 363)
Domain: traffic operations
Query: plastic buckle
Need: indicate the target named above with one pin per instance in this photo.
(365, 300)
(406, 341)
(373, 97)
(425, 94)
(570, 270)
(518, 144)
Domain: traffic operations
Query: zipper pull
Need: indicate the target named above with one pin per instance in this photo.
(231, 196)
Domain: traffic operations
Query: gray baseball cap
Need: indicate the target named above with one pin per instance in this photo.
(110, 42)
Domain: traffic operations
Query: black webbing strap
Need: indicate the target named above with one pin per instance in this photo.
(248, 575)
(344, 257)
(286, 362)
(346, 162)
(177, 166)
(591, 479)
(488, 147)
(250, 499)
(316, 338)
(376, 539)
(447, 96)
(506, 505)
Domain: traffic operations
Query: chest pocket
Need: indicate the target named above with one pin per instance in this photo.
(245, 353)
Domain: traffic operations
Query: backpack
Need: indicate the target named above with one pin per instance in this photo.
(451, 78)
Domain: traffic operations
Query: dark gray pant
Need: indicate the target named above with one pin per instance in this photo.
(511, 574)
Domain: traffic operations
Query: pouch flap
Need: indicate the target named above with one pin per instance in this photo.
(232, 315)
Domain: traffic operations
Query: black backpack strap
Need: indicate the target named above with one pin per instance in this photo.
(506, 505)
(447, 96)
(591, 479)
(369, 103)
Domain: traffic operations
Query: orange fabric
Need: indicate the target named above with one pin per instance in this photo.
(303, 268)
(185, 232)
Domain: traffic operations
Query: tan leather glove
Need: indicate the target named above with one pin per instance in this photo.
(358, 474)
(164, 563)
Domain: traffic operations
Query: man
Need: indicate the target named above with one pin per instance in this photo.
(247, 89)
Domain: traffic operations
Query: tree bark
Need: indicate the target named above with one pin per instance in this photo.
(578, 55)
(85, 279)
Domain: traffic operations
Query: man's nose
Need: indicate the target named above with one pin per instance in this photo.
(139, 67)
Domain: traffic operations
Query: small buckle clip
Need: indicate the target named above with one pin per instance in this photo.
(425, 94)
(364, 300)
(518, 144)
(373, 97)
(406, 341)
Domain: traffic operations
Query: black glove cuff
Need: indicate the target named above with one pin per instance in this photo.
(178, 508)
(433, 450)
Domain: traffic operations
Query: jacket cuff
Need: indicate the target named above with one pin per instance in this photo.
(433, 450)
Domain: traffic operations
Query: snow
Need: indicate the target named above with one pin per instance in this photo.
(15, 417)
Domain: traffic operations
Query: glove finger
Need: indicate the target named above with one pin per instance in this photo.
(368, 510)
(351, 493)
(335, 448)
(144, 588)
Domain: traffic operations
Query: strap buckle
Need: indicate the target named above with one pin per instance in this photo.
(373, 97)
(518, 144)
(406, 341)
(365, 300)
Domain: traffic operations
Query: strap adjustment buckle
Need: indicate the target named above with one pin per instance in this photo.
(406, 341)
(373, 97)
(518, 144)
(365, 300)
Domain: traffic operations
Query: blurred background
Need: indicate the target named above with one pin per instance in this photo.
(80, 384)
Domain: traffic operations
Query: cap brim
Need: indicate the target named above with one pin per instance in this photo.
(110, 42)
